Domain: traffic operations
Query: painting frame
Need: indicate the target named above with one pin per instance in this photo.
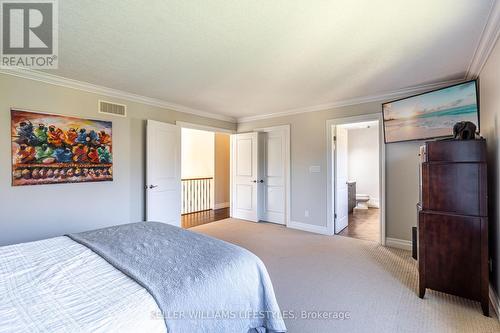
(478, 108)
(100, 171)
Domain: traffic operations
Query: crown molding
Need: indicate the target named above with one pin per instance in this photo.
(487, 41)
(92, 88)
(489, 37)
(354, 101)
(110, 92)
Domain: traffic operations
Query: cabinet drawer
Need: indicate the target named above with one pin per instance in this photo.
(458, 188)
(456, 151)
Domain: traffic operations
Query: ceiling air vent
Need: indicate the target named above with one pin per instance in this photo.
(113, 108)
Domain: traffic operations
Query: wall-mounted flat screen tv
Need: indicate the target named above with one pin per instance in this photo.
(431, 115)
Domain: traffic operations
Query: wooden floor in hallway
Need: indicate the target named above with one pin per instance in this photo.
(363, 224)
(207, 216)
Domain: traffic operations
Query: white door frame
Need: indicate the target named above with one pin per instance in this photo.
(330, 179)
(286, 130)
(185, 124)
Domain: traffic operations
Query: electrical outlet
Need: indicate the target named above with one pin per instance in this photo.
(306, 213)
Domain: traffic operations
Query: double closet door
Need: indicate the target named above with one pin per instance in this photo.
(259, 171)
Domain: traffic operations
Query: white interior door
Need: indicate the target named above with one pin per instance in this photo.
(273, 181)
(163, 173)
(341, 170)
(245, 174)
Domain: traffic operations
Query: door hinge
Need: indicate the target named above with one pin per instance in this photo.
(335, 216)
(335, 138)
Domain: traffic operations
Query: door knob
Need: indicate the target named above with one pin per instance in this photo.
(152, 186)
(261, 181)
(254, 181)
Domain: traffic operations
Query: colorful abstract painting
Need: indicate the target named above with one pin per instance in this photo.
(51, 149)
(430, 115)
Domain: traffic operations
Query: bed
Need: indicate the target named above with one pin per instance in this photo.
(147, 277)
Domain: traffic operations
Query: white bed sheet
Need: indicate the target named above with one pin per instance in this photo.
(58, 285)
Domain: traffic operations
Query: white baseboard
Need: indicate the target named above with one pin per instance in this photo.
(374, 203)
(495, 301)
(318, 229)
(398, 243)
(221, 205)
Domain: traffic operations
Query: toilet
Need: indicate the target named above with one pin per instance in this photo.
(362, 201)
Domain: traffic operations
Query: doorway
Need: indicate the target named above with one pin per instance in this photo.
(204, 176)
(356, 178)
(260, 175)
(187, 174)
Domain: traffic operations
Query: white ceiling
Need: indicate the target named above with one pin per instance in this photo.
(246, 58)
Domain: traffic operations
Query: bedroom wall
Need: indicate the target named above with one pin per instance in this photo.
(363, 161)
(34, 212)
(308, 147)
(489, 85)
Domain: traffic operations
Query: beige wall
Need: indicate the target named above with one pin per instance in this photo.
(308, 147)
(34, 212)
(197, 153)
(221, 169)
(489, 86)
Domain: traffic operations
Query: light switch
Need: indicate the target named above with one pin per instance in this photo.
(314, 169)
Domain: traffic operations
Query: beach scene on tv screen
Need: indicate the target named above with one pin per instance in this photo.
(430, 115)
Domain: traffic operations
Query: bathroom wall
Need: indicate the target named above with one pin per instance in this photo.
(363, 161)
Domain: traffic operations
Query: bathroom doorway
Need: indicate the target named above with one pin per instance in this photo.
(356, 172)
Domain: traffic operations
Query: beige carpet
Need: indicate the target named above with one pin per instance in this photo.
(376, 285)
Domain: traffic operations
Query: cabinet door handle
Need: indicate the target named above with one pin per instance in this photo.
(152, 186)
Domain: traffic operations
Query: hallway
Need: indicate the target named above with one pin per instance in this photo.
(204, 217)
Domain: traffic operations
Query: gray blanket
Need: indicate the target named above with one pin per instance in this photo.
(201, 284)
